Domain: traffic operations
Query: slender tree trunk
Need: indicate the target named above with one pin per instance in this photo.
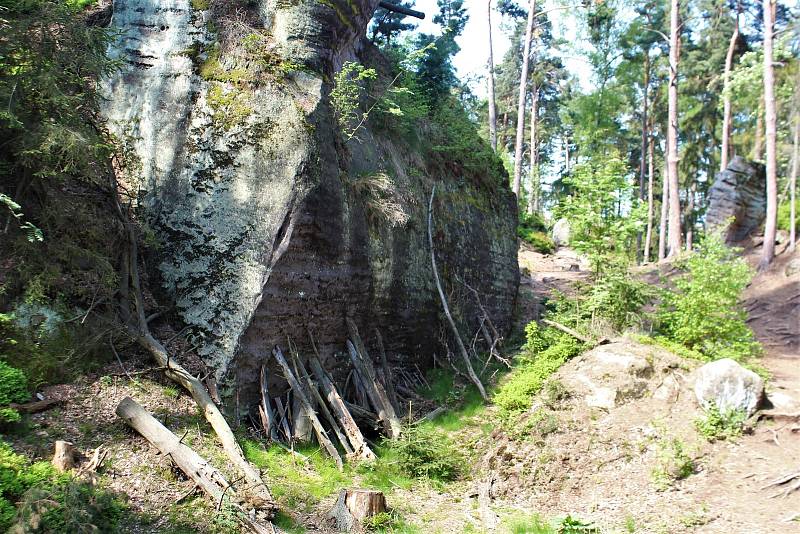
(672, 132)
(566, 154)
(726, 99)
(757, 153)
(690, 194)
(643, 156)
(492, 108)
(768, 248)
(662, 230)
(793, 178)
(523, 86)
(533, 199)
(650, 171)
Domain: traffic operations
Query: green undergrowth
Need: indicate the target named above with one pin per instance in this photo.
(34, 497)
(534, 524)
(718, 425)
(532, 229)
(545, 351)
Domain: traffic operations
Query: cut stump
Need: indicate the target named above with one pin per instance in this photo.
(354, 506)
(64, 456)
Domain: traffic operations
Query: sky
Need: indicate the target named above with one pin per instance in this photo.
(471, 61)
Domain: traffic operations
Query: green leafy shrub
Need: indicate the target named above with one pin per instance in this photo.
(784, 213)
(13, 388)
(718, 425)
(703, 311)
(540, 241)
(50, 501)
(674, 463)
(426, 452)
(544, 352)
(349, 86)
(617, 296)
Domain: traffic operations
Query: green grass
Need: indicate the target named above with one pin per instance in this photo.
(296, 483)
(717, 425)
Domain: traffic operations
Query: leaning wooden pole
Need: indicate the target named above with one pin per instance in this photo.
(446, 308)
(298, 389)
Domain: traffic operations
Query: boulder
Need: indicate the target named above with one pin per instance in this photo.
(612, 374)
(729, 386)
(738, 193)
(561, 231)
(793, 267)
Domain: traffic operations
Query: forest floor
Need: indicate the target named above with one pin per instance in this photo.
(606, 465)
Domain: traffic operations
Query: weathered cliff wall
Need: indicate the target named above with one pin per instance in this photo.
(268, 225)
(738, 193)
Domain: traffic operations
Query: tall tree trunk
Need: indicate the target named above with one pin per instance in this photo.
(533, 199)
(672, 132)
(650, 171)
(690, 194)
(757, 153)
(523, 86)
(492, 108)
(793, 177)
(566, 154)
(768, 248)
(643, 156)
(726, 99)
(662, 229)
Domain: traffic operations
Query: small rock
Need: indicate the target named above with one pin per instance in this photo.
(793, 267)
(729, 386)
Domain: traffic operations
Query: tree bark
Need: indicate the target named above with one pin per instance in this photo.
(672, 132)
(492, 106)
(64, 456)
(462, 349)
(793, 179)
(643, 150)
(757, 154)
(523, 89)
(648, 239)
(726, 99)
(662, 228)
(768, 248)
(533, 198)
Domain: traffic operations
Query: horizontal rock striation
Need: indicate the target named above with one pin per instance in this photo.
(267, 228)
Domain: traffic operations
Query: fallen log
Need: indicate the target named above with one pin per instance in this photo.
(375, 392)
(265, 409)
(354, 506)
(464, 355)
(36, 406)
(203, 474)
(387, 372)
(322, 436)
(573, 333)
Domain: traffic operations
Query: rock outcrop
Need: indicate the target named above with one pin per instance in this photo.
(561, 230)
(268, 224)
(738, 193)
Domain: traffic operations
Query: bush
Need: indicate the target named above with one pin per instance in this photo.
(540, 241)
(617, 297)
(703, 312)
(426, 452)
(717, 425)
(545, 351)
(784, 212)
(13, 388)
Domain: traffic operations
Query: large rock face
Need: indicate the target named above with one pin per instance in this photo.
(738, 193)
(268, 225)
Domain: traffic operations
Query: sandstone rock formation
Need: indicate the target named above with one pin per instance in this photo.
(560, 233)
(268, 224)
(739, 192)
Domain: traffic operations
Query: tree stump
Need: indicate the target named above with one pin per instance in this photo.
(64, 456)
(354, 506)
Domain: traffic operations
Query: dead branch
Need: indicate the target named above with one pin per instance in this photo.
(573, 333)
(470, 371)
